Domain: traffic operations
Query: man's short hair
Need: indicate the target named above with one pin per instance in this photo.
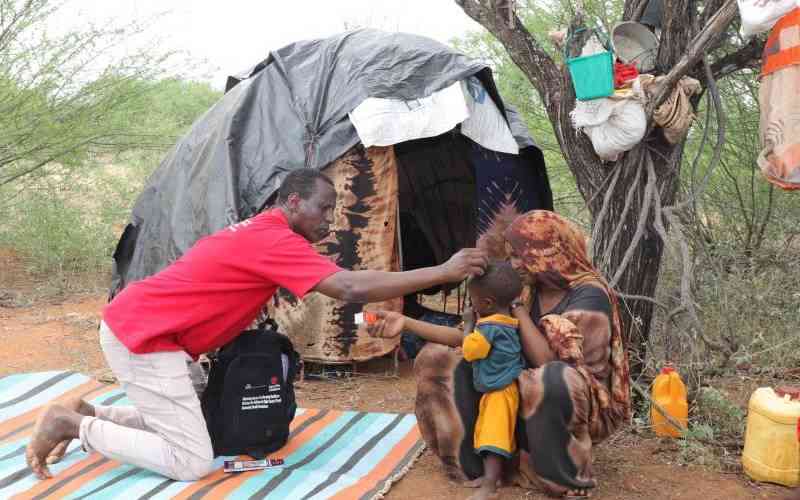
(500, 281)
(301, 181)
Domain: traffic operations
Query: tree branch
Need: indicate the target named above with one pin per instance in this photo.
(518, 41)
(713, 91)
(710, 34)
(647, 200)
(626, 296)
(632, 189)
(748, 56)
(637, 11)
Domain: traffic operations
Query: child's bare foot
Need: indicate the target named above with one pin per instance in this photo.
(577, 493)
(475, 483)
(53, 426)
(487, 491)
(78, 406)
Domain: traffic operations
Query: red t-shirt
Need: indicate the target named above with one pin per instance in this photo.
(214, 291)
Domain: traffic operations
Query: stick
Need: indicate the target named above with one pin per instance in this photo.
(672, 421)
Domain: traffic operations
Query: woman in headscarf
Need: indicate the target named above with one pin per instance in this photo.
(576, 391)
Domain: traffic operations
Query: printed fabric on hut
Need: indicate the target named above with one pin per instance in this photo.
(779, 98)
(566, 405)
(364, 236)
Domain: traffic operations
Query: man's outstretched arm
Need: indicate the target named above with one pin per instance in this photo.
(375, 286)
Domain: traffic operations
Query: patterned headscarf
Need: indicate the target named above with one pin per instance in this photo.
(545, 241)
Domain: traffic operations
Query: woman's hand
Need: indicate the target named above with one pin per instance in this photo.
(388, 326)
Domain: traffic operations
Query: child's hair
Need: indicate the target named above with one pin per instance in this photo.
(500, 281)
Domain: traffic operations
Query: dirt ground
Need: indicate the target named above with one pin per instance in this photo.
(38, 335)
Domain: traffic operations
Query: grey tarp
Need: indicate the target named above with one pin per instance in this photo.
(289, 112)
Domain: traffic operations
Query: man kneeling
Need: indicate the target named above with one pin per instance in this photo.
(199, 303)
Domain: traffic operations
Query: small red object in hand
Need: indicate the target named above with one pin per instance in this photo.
(365, 317)
(624, 73)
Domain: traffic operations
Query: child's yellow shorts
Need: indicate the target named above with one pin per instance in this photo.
(494, 430)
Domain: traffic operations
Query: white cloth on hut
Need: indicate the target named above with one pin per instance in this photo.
(384, 122)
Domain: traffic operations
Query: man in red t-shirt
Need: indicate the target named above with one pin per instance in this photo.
(199, 303)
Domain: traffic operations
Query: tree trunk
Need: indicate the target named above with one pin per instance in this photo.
(626, 246)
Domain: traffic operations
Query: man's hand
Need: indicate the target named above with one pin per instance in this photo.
(465, 263)
(388, 326)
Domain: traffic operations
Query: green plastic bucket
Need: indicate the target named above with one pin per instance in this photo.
(592, 76)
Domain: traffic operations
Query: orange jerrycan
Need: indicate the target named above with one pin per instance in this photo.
(772, 440)
(669, 392)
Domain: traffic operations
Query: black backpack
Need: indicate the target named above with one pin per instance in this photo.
(249, 402)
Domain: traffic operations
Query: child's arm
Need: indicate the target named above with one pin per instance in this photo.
(390, 324)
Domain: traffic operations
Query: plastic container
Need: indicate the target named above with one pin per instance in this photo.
(592, 75)
(772, 440)
(634, 43)
(669, 392)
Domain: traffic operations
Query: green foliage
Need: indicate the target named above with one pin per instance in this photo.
(744, 238)
(56, 234)
(162, 110)
(716, 412)
(56, 90)
(66, 218)
(71, 104)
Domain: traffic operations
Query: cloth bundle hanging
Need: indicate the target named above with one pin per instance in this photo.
(613, 125)
(779, 99)
(675, 115)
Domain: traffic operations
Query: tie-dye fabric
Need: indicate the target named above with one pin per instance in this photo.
(546, 242)
(364, 236)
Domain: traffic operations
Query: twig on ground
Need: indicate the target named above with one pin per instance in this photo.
(672, 421)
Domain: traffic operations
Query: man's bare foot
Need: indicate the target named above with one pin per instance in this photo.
(77, 405)
(53, 426)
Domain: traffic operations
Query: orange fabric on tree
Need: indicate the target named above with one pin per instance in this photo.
(783, 45)
(779, 99)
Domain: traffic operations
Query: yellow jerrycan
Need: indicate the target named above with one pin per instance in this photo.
(669, 392)
(771, 443)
